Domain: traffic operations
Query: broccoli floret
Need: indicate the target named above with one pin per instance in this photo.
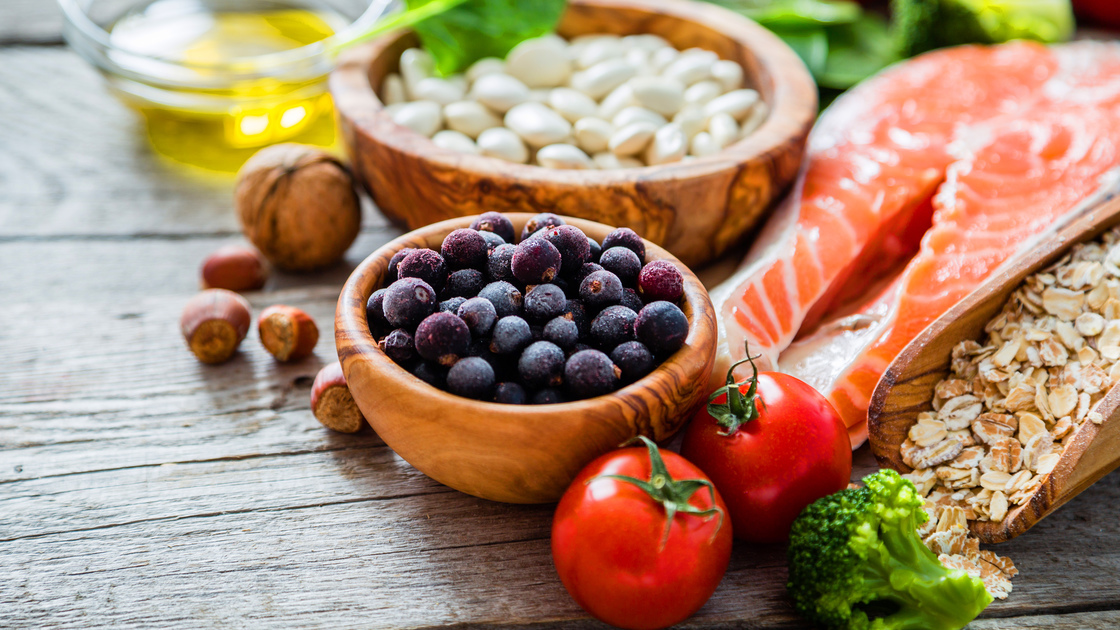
(921, 25)
(859, 549)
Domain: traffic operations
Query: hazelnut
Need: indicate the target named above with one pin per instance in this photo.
(297, 204)
(288, 333)
(235, 268)
(214, 322)
(332, 403)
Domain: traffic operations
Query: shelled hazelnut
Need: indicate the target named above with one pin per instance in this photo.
(332, 403)
(234, 267)
(288, 333)
(214, 322)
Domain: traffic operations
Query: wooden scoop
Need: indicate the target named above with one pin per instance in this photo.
(907, 386)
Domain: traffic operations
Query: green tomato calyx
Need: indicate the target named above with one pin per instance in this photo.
(740, 408)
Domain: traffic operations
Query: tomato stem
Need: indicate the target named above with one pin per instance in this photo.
(672, 494)
(739, 408)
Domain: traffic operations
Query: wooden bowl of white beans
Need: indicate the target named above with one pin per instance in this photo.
(683, 121)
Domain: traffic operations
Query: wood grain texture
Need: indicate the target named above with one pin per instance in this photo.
(696, 210)
(908, 384)
(514, 453)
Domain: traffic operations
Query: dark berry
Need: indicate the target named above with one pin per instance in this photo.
(662, 327)
(495, 223)
(634, 359)
(625, 237)
(572, 244)
(427, 265)
(539, 222)
(661, 280)
(612, 326)
(464, 283)
(443, 338)
(543, 302)
(375, 315)
(464, 249)
(631, 300)
(499, 264)
(407, 302)
(471, 378)
(504, 296)
(399, 346)
(431, 373)
(510, 335)
(562, 284)
(596, 249)
(492, 241)
(590, 373)
(600, 289)
(451, 305)
(579, 347)
(391, 275)
(562, 332)
(575, 311)
(623, 263)
(535, 261)
(510, 394)
(541, 365)
(479, 315)
(548, 397)
(585, 270)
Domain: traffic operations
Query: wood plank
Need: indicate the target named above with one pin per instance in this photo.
(1102, 620)
(30, 22)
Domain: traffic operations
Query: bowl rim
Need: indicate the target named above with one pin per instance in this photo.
(353, 337)
(793, 104)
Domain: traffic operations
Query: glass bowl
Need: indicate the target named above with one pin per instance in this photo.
(213, 107)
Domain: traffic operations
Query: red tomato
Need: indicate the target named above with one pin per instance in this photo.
(771, 466)
(1104, 11)
(613, 551)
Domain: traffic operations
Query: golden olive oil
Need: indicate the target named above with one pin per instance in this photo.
(198, 114)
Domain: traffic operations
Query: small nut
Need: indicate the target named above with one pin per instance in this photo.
(214, 322)
(234, 268)
(288, 333)
(332, 403)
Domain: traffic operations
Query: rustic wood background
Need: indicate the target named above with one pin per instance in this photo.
(139, 488)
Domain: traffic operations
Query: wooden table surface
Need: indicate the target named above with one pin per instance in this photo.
(139, 488)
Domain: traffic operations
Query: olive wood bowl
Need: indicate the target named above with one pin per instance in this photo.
(907, 386)
(696, 209)
(513, 453)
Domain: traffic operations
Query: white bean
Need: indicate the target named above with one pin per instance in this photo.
(669, 145)
(690, 67)
(537, 125)
(539, 95)
(619, 99)
(703, 144)
(635, 114)
(599, 51)
(499, 92)
(610, 161)
(691, 120)
(646, 42)
(539, 62)
(392, 90)
(438, 90)
(728, 73)
(701, 92)
(755, 119)
(737, 103)
(423, 117)
(416, 65)
(723, 128)
(470, 118)
(632, 138)
(664, 96)
(563, 156)
(661, 58)
(454, 141)
(503, 144)
(572, 104)
(603, 77)
(640, 59)
(485, 66)
(593, 134)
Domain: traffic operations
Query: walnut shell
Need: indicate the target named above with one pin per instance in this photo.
(298, 205)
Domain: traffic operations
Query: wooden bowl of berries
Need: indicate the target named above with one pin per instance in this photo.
(499, 354)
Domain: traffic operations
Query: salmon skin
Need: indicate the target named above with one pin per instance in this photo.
(917, 185)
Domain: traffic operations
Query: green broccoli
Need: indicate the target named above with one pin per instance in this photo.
(921, 25)
(859, 550)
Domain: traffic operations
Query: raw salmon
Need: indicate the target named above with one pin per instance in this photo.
(917, 185)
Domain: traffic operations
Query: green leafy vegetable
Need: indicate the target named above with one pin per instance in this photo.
(922, 25)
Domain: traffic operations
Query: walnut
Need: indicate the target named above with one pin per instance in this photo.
(298, 205)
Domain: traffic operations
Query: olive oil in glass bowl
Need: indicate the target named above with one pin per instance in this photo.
(216, 80)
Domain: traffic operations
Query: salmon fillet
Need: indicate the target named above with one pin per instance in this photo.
(917, 185)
